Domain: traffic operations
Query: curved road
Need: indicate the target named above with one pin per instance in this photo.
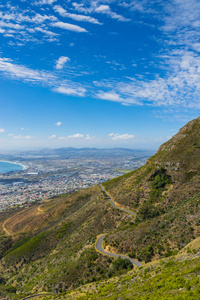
(99, 241)
(114, 205)
(99, 247)
(39, 209)
(4, 228)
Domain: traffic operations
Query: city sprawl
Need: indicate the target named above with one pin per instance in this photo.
(49, 175)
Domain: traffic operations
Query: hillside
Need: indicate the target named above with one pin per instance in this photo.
(163, 193)
(168, 177)
(51, 247)
(175, 278)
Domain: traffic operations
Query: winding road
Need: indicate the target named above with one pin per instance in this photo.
(100, 239)
(99, 247)
(4, 228)
(113, 203)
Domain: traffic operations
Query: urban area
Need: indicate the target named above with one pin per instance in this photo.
(50, 174)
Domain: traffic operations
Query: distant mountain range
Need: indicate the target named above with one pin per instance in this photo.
(87, 151)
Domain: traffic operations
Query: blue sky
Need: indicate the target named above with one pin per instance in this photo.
(97, 73)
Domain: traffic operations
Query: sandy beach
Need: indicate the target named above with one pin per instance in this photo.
(15, 163)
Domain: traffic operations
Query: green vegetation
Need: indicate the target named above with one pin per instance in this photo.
(160, 179)
(170, 279)
(53, 249)
(62, 231)
(5, 245)
(34, 244)
(120, 264)
(72, 223)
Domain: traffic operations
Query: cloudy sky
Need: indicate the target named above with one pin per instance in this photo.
(104, 73)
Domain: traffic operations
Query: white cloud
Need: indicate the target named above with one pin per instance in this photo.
(22, 137)
(196, 46)
(112, 96)
(101, 9)
(22, 72)
(69, 27)
(2, 130)
(21, 24)
(58, 123)
(70, 91)
(52, 136)
(11, 25)
(80, 7)
(117, 136)
(21, 17)
(40, 77)
(43, 2)
(88, 137)
(75, 17)
(178, 87)
(46, 32)
(61, 62)
(76, 136)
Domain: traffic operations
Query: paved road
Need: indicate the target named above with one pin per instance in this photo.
(99, 247)
(114, 205)
(101, 238)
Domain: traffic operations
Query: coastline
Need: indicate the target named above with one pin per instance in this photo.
(16, 163)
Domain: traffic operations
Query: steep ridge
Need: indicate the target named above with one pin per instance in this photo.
(168, 178)
(166, 185)
(52, 249)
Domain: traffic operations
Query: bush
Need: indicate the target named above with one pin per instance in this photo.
(5, 245)
(160, 179)
(145, 253)
(132, 254)
(121, 263)
(2, 280)
(62, 230)
(148, 211)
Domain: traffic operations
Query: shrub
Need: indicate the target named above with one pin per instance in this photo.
(121, 263)
(145, 253)
(148, 211)
(160, 179)
(62, 230)
(132, 254)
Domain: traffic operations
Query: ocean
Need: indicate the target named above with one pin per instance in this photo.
(9, 167)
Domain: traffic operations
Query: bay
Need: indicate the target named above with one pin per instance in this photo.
(6, 166)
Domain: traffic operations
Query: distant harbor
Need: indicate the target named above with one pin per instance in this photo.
(8, 166)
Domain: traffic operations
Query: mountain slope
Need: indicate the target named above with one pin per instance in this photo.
(176, 278)
(52, 247)
(165, 194)
(169, 177)
(61, 253)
